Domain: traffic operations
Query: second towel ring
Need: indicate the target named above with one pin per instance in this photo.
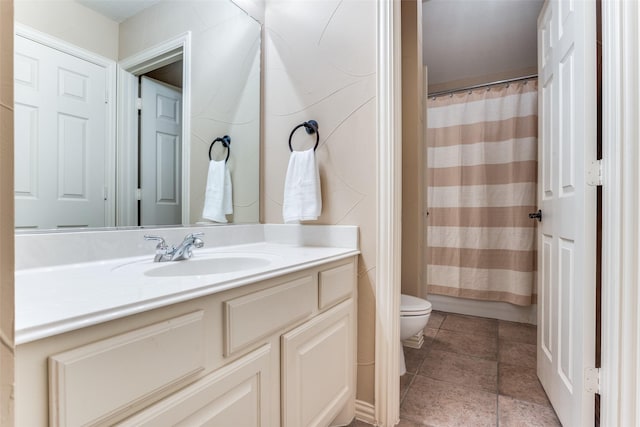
(311, 127)
(226, 142)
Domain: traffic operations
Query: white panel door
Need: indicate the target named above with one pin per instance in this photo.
(566, 235)
(60, 138)
(160, 154)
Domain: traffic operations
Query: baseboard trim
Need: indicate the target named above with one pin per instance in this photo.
(366, 412)
(490, 309)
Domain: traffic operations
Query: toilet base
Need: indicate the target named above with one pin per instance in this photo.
(415, 341)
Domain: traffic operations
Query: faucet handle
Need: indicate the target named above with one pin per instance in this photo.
(162, 244)
(198, 243)
(194, 237)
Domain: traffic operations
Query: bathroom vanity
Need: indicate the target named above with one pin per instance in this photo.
(265, 337)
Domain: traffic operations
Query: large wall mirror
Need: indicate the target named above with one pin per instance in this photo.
(117, 106)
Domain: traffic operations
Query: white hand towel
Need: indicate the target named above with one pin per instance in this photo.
(218, 195)
(302, 198)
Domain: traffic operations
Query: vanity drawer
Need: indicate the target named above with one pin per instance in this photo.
(335, 285)
(92, 383)
(257, 315)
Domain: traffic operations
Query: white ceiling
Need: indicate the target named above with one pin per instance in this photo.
(463, 39)
(118, 10)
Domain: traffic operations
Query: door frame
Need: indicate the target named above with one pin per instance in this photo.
(164, 53)
(619, 385)
(110, 119)
(389, 212)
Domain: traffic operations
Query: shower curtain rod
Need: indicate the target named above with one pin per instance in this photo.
(499, 82)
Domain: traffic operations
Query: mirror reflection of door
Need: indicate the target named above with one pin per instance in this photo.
(60, 138)
(160, 146)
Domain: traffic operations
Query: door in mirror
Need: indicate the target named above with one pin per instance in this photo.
(160, 153)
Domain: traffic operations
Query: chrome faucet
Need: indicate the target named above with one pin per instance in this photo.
(176, 253)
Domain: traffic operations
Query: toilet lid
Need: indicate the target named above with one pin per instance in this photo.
(413, 305)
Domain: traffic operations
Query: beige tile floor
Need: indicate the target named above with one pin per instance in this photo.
(473, 372)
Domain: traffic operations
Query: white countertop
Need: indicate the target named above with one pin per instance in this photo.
(55, 299)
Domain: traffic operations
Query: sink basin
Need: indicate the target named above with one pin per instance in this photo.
(206, 266)
(203, 263)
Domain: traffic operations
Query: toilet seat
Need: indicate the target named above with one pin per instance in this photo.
(412, 306)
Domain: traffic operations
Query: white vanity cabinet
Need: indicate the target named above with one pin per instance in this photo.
(276, 352)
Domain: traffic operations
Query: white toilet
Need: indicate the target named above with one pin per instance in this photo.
(414, 315)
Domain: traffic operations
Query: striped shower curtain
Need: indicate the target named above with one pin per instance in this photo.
(481, 184)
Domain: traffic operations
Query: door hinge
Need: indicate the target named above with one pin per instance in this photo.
(594, 173)
(592, 380)
(138, 194)
(139, 104)
(105, 193)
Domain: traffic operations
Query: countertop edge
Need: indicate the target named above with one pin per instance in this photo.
(34, 333)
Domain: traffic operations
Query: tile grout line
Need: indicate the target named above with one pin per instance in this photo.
(518, 341)
(402, 398)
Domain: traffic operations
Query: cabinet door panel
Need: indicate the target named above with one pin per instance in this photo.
(96, 382)
(318, 368)
(235, 395)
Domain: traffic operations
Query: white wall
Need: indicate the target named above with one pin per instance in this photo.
(225, 89)
(477, 41)
(72, 22)
(254, 8)
(320, 63)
